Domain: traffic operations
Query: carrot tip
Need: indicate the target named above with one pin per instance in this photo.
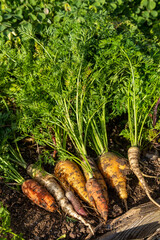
(126, 205)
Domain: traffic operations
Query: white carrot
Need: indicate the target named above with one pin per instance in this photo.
(133, 157)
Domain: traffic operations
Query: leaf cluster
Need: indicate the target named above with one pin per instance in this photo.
(5, 222)
(81, 45)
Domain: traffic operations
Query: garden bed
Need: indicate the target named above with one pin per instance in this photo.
(78, 79)
(36, 223)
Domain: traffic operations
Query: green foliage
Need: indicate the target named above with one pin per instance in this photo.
(40, 64)
(46, 157)
(7, 125)
(13, 13)
(145, 14)
(5, 222)
(141, 98)
(9, 170)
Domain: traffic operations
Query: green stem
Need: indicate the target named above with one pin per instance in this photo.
(10, 172)
(38, 43)
(104, 131)
(142, 125)
(135, 142)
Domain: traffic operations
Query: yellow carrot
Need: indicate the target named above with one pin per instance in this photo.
(70, 172)
(113, 168)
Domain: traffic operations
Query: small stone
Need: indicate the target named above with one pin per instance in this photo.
(64, 230)
(68, 227)
(72, 235)
(82, 230)
(92, 221)
(71, 225)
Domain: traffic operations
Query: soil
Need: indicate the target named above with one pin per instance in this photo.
(36, 224)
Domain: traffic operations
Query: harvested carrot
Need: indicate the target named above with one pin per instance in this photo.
(76, 203)
(70, 172)
(72, 198)
(97, 175)
(113, 169)
(96, 194)
(55, 189)
(39, 195)
(134, 157)
(33, 190)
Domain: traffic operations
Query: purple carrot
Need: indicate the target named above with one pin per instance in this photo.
(76, 203)
(155, 112)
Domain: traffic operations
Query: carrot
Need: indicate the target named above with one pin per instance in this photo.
(39, 195)
(33, 190)
(134, 157)
(113, 169)
(95, 193)
(55, 189)
(72, 174)
(77, 132)
(48, 181)
(97, 175)
(72, 198)
(76, 203)
(70, 171)
(97, 189)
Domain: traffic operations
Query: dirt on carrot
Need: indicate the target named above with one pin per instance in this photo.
(97, 175)
(95, 193)
(70, 172)
(114, 170)
(134, 157)
(39, 195)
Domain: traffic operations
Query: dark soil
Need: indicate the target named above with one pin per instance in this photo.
(36, 224)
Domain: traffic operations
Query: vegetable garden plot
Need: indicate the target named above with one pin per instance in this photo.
(52, 226)
(66, 71)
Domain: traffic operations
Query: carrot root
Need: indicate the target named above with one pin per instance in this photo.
(134, 157)
(95, 192)
(39, 195)
(113, 169)
(76, 203)
(55, 189)
(70, 172)
(97, 175)
(70, 195)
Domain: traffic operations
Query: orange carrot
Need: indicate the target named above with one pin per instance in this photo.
(97, 175)
(96, 194)
(32, 189)
(39, 195)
